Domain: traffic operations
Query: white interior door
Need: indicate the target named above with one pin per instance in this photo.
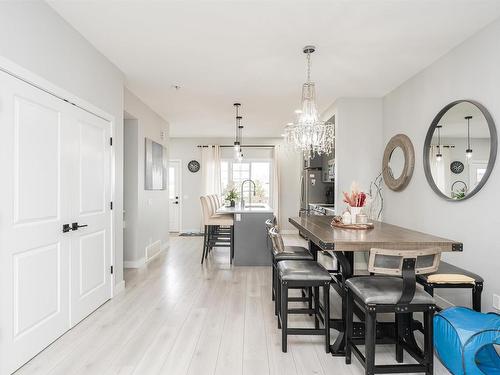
(55, 165)
(174, 193)
(34, 252)
(91, 219)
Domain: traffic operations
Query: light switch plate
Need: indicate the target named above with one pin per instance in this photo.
(496, 301)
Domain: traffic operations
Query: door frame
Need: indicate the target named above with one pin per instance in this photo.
(179, 161)
(16, 71)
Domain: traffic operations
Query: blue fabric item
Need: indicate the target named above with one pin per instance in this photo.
(463, 340)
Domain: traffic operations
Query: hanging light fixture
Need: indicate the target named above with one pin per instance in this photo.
(439, 155)
(309, 134)
(468, 152)
(238, 154)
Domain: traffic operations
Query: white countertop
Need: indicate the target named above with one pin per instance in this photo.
(254, 208)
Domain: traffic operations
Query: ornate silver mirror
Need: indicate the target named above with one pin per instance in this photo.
(460, 150)
(398, 162)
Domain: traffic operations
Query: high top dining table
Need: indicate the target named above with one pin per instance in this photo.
(343, 243)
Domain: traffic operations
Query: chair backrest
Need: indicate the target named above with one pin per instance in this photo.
(205, 209)
(277, 240)
(392, 262)
(215, 201)
(270, 223)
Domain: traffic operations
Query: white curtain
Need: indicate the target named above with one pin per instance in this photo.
(276, 182)
(440, 170)
(210, 170)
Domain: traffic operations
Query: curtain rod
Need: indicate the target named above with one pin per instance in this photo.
(243, 146)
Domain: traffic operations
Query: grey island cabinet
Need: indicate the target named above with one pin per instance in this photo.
(250, 244)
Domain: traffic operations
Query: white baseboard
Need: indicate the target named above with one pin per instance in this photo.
(120, 287)
(289, 231)
(134, 263)
(197, 230)
(165, 246)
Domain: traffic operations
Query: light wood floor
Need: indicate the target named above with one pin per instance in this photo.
(178, 317)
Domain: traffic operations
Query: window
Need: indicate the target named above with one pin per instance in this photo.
(233, 173)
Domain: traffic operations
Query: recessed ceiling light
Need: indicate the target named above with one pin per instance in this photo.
(298, 111)
(290, 123)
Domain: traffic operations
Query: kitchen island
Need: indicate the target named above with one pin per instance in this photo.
(250, 238)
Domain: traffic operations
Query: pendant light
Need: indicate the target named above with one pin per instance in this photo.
(439, 155)
(238, 154)
(309, 134)
(468, 152)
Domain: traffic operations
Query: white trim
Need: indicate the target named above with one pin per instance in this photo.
(197, 230)
(17, 71)
(134, 263)
(120, 287)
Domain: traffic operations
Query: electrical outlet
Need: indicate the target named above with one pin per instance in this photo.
(496, 301)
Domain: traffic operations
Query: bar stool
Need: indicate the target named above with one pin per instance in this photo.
(397, 293)
(281, 252)
(212, 236)
(299, 274)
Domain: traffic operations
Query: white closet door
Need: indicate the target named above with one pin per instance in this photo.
(90, 243)
(34, 195)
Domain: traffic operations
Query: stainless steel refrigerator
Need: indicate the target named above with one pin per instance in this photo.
(314, 189)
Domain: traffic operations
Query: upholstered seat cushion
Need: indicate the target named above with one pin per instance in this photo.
(384, 290)
(293, 253)
(220, 220)
(297, 270)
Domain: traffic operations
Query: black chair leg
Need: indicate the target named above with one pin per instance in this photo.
(277, 302)
(349, 326)
(273, 281)
(476, 297)
(370, 336)
(284, 315)
(428, 341)
(310, 300)
(231, 251)
(399, 334)
(326, 308)
(205, 235)
(316, 307)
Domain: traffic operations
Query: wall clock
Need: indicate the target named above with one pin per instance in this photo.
(193, 166)
(457, 167)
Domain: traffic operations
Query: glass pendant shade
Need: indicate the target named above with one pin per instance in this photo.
(308, 133)
(468, 152)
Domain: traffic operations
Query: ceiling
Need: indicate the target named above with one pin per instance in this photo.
(220, 52)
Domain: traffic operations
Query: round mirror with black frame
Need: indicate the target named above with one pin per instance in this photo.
(460, 150)
(398, 162)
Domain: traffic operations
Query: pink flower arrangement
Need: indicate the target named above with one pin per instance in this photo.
(356, 198)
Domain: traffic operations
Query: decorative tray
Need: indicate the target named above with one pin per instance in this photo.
(337, 224)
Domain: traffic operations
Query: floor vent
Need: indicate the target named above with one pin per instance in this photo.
(153, 250)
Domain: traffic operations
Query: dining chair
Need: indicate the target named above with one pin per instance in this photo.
(281, 252)
(300, 274)
(212, 236)
(393, 289)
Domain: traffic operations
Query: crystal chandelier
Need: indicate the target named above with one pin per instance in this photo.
(309, 134)
(238, 154)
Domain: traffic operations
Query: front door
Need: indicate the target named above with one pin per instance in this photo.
(174, 193)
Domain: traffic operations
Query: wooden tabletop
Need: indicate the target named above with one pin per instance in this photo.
(386, 236)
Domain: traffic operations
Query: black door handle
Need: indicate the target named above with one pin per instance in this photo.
(66, 228)
(75, 226)
(176, 202)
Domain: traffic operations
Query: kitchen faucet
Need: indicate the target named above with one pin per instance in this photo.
(249, 195)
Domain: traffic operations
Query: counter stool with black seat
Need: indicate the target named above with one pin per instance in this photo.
(293, 273)
(281, 252)
(212, 235)
(396, 293)
(450, 276)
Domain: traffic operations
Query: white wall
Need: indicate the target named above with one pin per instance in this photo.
(33, 36)
(470, 71)
(185, 149)
(147, 219)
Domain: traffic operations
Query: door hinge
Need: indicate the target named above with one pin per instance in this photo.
(111, 205)
(111, 141)
(111, 269)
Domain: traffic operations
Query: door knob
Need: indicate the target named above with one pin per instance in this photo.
(75, 226)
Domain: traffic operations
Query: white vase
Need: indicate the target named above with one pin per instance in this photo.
(355, 211)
